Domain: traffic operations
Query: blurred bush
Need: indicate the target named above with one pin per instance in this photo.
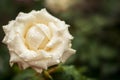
(95, 25)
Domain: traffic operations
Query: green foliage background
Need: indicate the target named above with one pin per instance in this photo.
(95, 25)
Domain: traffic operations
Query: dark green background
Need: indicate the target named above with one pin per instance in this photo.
(95, 25)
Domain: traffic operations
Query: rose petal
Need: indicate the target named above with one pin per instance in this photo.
(45, 30)
(67, 54)
(35, 38)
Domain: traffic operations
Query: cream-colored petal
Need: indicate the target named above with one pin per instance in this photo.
(40, 64)
(9, 32)
(7, 28)
(18, 46)
(44, 16)
(39, 70)
(20, 28)
(67, 54)
(26, 18)
(45, 29)
(35, 38)
(53, 28)
(51, 60)
(14, 58)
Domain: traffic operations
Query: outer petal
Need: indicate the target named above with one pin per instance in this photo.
(9, 32)
(67, 54)
(44, 16)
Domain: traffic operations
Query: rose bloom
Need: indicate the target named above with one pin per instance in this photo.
(37, 40)
(59, 5)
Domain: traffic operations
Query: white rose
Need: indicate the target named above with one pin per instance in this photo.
(59, 5)
(37, 40)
